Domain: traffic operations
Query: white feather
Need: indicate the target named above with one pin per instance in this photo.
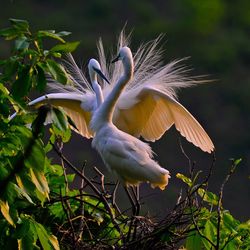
(148, 105)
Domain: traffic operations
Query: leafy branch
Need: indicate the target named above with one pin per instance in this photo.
(38, 208)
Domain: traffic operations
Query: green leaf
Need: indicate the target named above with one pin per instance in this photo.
(185, 179)
(57, 211)
(43, 236)
(22, 43)
(59, 119)
(36, 159)
(65, 135)
(9, 33)
(4, 109)
(41, 79)
(57, 71)
(237, 162)
(51, 34)
(231, 246)
(22, 229)
(11, 67)
(208, 196)
(21, 25)
(39, 180)
(26, 233)
(245, 226)
(193, 241)
(21, 190)
(65, 48)
(47, 240)
(56, 169)
(70, 177)
(23, 83)
(27, 184)
(4, 207)
(210, 232)
(3, 89)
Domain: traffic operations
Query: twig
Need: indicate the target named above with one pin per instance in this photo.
(68, 217)
(102, 197)
(81, 224)
(198, 229)
(102, 178)
(202, 183)
(60, 148)
(136, 193)
(114, 198)
(191, 166)
(231, 171)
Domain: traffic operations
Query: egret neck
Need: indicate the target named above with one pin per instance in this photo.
(104, 114)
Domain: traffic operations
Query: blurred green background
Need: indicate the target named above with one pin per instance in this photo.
(216, 36)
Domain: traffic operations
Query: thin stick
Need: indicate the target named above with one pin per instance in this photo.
(231, 171)
(104, 200)
(68, 217)
(60, 148)
(102, 179)
(114, 198)
(81, 224)
(191, 166)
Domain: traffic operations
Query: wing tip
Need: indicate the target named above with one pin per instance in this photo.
(209, 149)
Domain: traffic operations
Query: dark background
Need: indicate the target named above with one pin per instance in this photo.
(216, 36)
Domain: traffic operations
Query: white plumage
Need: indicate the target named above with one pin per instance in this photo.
(127, 156)
(78, 106)
(147, 107)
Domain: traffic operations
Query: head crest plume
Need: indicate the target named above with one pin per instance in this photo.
(148, 69)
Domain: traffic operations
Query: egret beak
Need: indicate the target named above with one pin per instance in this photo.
(116, 59)
(99, 72)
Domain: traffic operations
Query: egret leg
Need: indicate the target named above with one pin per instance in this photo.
(134, 211)
(114, 198)
(136, 194)
(133, 203)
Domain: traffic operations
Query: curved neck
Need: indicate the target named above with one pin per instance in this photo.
(107, 108)
(98, 93)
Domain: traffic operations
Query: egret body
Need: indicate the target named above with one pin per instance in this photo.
(78, 106)
(127, 156)
(147, 108)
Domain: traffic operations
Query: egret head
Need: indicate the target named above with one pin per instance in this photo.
(124, 54)
(94, 69)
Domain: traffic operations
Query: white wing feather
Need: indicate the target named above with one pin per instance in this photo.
(148, 106)
(77, 106)
(154, 112)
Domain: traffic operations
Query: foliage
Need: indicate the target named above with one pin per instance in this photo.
(213, 227)
(39, 210)
(35, 201)
(24, 165)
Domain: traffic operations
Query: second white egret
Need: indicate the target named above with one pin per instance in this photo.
(127, 156)
(147, 108)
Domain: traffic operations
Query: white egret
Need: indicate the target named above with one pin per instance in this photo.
(127, 156)
(147, 108)
(70, 101)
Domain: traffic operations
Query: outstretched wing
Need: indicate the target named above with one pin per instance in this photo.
(153, 112)
(148, 106)
(78, 107)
